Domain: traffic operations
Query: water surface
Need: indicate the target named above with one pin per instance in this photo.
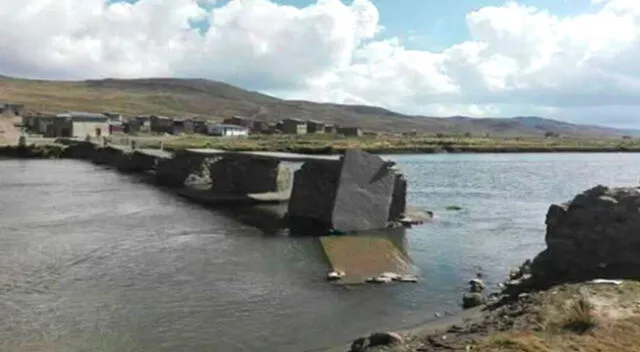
(90, 257)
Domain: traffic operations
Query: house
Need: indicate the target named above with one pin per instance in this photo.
(11, 108)
(114, 116)
(198, 126)
(79, 125)
(181, 126)
(36, 122)
(294, 126)
(161, 124)
(314, 126)
(226, 130)
(349, 131)
(239, 121)
(260, 127)
(328, 128)
(116, 127)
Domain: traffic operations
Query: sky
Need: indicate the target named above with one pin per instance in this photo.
(574, 60)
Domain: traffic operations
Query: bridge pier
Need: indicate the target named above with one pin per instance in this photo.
(135, 162)
(173, 172)
(358, 193)
(249, 175)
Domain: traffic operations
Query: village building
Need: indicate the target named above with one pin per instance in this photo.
(329, 128)
(226, 130)
(239, 121)
(161, 124)
(78, 125)
(114, 116)
(294, 126)
(11, 108)
(314, 126)
(349, 131)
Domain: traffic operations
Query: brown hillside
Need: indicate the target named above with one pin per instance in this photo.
(217, 100)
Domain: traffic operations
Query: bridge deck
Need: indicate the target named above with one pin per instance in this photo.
(290, 157)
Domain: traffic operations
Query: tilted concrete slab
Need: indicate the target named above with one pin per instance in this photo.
(156, 153)
(282, 156)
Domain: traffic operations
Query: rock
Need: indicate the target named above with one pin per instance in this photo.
(385, 339)
(470, 300)
(600, 225)
(476, 285)
(392, 276)
(376, 339)
(335, 275)
(379, 280)
(408, 278)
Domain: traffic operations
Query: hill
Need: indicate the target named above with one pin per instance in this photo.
(217, 100)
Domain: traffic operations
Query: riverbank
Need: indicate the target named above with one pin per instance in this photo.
(385, 144)
(332, 145)
(589, 316)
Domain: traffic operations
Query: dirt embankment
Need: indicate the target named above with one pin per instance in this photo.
(9, 133)
(586, 317)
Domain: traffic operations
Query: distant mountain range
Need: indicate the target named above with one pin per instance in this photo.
(216, 100)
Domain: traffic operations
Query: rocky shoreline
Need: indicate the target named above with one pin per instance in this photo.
(584, 282)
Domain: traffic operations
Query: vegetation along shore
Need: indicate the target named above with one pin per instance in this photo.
(49, 148)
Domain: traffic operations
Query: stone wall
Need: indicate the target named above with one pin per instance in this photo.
(242, 176)
(595, 235)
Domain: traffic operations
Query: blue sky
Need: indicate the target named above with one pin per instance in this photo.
(566, 59)
(437, 24)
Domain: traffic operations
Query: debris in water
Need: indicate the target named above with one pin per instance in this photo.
(335, 275)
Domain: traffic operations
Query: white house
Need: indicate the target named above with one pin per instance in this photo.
(226, 130)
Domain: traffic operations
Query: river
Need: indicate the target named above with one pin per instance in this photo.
(91, 259)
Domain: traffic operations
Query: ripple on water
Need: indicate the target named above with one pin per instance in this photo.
(92, 257)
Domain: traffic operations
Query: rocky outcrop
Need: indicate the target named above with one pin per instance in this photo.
(360, 192)
(596, 235)
(377, 339)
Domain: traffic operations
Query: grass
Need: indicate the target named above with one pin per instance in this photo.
(577, 317)
(386, 143)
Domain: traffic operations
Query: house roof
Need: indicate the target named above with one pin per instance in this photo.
(295, 119)
(227, 125)
(83, 116)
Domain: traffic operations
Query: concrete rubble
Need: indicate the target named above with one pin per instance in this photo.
(360, 192)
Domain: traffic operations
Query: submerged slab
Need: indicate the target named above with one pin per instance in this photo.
(363, 256)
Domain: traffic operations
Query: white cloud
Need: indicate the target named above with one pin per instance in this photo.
(519, 59)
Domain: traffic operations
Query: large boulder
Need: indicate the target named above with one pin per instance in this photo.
(597, 234)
